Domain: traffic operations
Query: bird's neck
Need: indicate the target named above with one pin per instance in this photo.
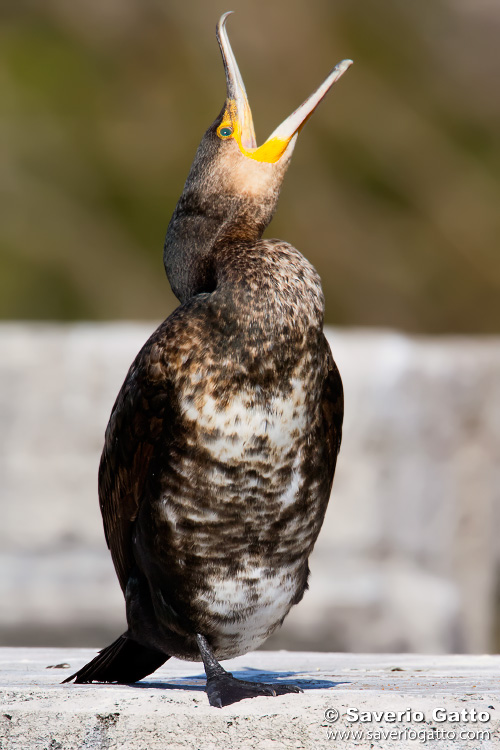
(199, 234)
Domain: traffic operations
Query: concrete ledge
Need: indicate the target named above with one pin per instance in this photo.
(171, 710)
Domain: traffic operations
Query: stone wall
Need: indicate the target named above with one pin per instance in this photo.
(408, 558)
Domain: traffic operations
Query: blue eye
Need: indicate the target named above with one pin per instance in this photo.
(225, 132)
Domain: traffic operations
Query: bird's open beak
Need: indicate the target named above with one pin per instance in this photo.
(238, 116)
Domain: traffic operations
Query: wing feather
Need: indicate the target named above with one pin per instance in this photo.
(132, 435)
(332, 405)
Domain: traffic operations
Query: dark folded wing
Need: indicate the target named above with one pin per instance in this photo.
(332, 405)
(132, 436)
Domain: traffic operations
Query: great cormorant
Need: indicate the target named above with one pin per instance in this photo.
(221, 446)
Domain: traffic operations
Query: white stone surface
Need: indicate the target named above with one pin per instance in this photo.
(408, 558)
(170, 709)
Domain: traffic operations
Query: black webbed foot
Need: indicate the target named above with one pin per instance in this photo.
(224, 689)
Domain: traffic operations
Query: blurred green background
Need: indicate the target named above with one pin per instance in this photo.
(393, 192)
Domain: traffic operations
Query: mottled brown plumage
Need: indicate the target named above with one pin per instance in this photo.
(221, 447)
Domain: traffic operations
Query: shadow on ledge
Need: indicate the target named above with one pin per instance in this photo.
(197, 682)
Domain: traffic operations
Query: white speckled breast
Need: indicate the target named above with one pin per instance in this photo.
(279, 419)
(250, 605)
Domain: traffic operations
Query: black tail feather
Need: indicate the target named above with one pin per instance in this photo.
(123, 661)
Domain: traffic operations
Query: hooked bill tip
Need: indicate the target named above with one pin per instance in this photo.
(223, 18)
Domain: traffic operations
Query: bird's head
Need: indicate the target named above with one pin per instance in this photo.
(233, 186)
(235, 122)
